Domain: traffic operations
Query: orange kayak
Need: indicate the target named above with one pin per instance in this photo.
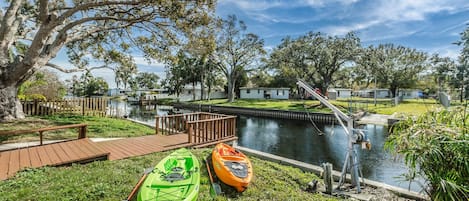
(232, 167)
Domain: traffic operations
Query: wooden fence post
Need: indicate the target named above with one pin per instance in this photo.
(328, 177)
(189, 133)
(82, 133)
(40, 137)
(157, 125)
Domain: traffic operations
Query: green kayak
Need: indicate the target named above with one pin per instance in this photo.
(176, 177)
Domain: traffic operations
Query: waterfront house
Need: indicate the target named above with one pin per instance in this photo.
(264, 93)
(370, 93)
(334, 93)
(410, 93)
(194, 92)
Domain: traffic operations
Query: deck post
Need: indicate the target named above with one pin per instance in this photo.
(189, 132)
(157, 125)
(82, 133)
(40, 137)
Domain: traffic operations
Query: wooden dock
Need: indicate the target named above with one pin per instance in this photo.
(200, 131)
(62, 153)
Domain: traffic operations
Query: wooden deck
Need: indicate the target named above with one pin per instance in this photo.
(63, 153)
(137, 146)
(183, 130)
(84, 150)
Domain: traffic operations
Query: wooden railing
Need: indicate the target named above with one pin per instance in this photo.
(201, 127)
(82, 106)
(40, 131)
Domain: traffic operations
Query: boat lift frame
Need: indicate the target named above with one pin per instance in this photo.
(351, 159)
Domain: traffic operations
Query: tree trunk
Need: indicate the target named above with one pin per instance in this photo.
(231, 92)
(202, 83)
(10, 106)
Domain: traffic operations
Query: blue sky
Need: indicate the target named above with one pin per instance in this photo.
(427, 25)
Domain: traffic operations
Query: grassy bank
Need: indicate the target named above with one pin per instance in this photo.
(383, 106)
(97, 127)
(113, 180)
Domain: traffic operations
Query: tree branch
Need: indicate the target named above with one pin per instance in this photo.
(82, 7)
(43, 11)
(62, 69)
(6, 25)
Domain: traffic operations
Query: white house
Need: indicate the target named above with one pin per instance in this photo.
(264, 93)
(188, 92)
(410, 93)
(334, 93)
(370, 93)
(118, 92)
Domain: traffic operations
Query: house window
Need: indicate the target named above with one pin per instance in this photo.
(248, 91)
(279, 92)
(258, 91)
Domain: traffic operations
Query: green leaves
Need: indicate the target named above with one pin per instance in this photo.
(436, 147)
(314, 57)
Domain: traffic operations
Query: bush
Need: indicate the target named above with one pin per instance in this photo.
(31, 97)
(435, 146)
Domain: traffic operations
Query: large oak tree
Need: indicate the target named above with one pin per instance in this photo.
(314, 57)
(236, 52)
(33, 32)
(398, 66)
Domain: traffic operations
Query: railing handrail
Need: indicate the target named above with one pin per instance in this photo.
(81, 133)
(20, 132)
(208, 120)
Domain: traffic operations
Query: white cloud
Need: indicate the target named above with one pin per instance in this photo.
(248, 5)
(411, 10)
(321, 3)
(393, 13)
(451, 51)
(342, 30)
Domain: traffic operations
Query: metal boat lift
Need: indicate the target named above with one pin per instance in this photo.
(351, 161)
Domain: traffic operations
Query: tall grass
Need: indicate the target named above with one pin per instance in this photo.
(435, 146)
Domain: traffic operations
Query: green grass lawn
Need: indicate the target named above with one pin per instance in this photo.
(113, 180)
(97, 127)
(383, 106)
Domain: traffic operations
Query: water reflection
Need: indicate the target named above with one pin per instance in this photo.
(300, 140)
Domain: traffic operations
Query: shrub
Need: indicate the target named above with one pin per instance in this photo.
(435, 146)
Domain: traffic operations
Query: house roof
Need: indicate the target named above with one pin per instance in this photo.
(265, 88)
(339, 89)
(366, 90)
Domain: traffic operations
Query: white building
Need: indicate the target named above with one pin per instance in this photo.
(190, 92)
(264, 93)
(334, 93)
(118, 92)
(370, 93)
(410, 93)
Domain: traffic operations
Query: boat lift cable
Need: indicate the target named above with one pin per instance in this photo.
(318, 131)
(351, 160)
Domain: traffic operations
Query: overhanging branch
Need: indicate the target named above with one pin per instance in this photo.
(64, 70)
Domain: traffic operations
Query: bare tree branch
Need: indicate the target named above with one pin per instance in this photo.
(43, 11)
(63, 69)
(6, 28)
(87, 6)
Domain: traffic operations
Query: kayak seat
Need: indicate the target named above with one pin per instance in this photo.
(238, 169)
(189, 164)
(170, 164)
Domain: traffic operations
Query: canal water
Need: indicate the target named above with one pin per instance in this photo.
(300, 140)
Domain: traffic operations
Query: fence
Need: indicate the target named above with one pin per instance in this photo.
(82, 106)
(81, 131)
(201, 127)
(271, 113)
